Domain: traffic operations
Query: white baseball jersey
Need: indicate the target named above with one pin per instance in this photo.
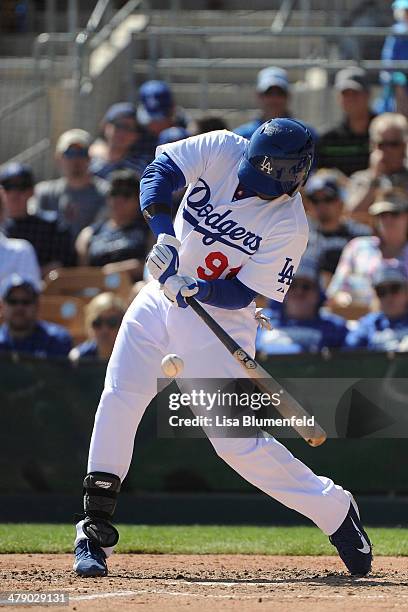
(224, 235)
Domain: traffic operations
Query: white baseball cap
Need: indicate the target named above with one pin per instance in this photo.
(73, 137)
(272, 77)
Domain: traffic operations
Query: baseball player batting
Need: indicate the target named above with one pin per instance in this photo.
(240, 230)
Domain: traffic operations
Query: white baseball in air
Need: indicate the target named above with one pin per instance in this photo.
(172, 365)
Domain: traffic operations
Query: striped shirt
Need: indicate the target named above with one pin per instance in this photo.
(359, 262)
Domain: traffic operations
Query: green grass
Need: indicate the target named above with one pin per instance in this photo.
(44, 538)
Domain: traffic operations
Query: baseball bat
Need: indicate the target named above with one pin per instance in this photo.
(288, 407)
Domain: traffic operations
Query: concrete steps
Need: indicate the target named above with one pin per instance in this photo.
(239, 18)
(218, 71)
(237, 103)
(246, 46)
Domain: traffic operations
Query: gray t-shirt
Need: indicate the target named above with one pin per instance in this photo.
(77, 207)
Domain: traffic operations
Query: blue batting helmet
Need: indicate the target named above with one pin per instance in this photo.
(278, 158)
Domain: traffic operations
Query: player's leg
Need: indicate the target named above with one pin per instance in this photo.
(271, 467)
(130, 385)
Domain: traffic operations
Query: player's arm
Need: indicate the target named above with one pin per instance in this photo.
(269, 272)
(160, 179)
(223, 293)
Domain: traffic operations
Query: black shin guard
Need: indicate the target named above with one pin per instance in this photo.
(100, 494)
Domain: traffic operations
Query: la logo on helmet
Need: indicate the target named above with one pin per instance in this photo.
(266, 165)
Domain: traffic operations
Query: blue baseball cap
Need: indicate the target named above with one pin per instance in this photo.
(400, 4)
(15, 170)
(172, 135)
(156, 101)
(391, 272)
(272, 77)
(323, 182)
(120, 109)
(15, 281)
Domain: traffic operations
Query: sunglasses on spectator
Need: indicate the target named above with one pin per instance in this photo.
(124, 127)
(391, 213)
(387, 144)
(20, 301)
(76, 153)
(325, 200)
(303, 285)
(391, 289)
(19, 186)
(110, 322)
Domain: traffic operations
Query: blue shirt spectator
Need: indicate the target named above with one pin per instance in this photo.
(396, 45)
(119, 150)
(157, 110)
(395, 49)
(21, 330)
(385, 330)
(300, 326)
(273, 96)
(88, 348)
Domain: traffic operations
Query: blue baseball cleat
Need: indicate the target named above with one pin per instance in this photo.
(352, 543)
(90, 560)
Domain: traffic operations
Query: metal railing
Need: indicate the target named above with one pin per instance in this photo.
(57, 57)
(320, 55)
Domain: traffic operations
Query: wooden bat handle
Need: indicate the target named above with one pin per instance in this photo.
(289, 406)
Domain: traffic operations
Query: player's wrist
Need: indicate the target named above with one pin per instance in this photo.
(204, 290)
(169, 240)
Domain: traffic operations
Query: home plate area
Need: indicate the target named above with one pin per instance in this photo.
(210, 582)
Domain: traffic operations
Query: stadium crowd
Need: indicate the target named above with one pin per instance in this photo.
(351, 290)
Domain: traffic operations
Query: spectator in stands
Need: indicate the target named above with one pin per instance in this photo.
(78, 197)
(103, 316)
(273, 96)
(172, 135)
(50, 238)
(362, 257)
(299, 325)
(363, 14)
(207, 123)
(124, 235)
(346, 145)
(387, 166)
(16, 255)
(124, 145)
(157, 109)
(330, 231)
(22, 331)
(395, 91)
(386, 329)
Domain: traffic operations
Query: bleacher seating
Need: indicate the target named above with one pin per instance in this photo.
(86, 282)
(64, 310)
